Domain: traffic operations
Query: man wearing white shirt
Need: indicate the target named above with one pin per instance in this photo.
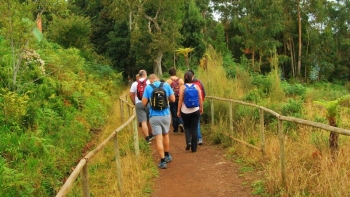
(142, 112)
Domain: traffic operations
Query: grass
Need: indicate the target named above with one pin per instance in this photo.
(309, 165)
(137, 173)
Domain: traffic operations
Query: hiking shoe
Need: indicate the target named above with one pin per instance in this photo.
(168, 158)
(148, 141)
(182, 129)
(162, 165)
(151, 137)
(200, 142)
(188, 146)
(176, 132)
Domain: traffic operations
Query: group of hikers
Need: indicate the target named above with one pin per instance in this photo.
(160, 103)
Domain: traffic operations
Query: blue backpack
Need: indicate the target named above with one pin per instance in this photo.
(191, 96)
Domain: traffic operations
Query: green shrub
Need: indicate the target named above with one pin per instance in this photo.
(254, 96)
(292, 107)
(293, 89)
(262, 82)
(12, 182)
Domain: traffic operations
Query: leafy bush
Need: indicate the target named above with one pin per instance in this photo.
(12, 182)
(262, 82)
(292, 107)
(73, 31)
(254, 96)
(293, 89)
(13, 107)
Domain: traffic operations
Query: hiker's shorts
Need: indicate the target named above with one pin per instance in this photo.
(142, 112)
(160, 124)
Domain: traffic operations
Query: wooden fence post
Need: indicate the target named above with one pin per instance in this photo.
(262, 131)
(136, 136)
(281, 139)
(212, 111)
(118, 163)
(85, 181)
(231, 122)
(121, 110)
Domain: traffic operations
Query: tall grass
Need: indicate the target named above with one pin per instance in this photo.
(309, 166)
(137, 173)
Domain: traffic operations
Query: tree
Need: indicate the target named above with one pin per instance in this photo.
(259, 23)
(192, 30)
(185, 52)
(332, 108)
(17, 29)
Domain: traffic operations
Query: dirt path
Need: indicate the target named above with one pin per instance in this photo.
(205, 173)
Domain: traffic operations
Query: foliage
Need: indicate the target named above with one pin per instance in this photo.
(293, 89)
(332, 106)
(13, 182)
(193, 23)
(13, 107)
(292, 107)
(72, 31)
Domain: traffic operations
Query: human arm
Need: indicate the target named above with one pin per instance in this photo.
(132, 97)
(146, 95)
(200, 100)
(144, 101)
(181, 98)
(133, 90)
(204, 94)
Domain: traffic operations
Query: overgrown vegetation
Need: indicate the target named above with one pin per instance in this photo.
(309, 160)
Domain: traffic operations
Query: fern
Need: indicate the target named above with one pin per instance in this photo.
(332, 106)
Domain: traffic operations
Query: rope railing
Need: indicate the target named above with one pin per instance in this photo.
(82, 166)
(280, 119)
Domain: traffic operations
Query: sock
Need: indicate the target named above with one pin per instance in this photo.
(162, 160)
(166, 154)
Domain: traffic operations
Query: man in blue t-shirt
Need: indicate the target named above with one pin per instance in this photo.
(160, 120)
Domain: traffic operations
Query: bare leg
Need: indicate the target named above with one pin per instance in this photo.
(144, 128)
(166, 142)
(160, 146)
(149, 128)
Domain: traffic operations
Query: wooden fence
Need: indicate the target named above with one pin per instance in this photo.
(280, 119)
(82, 167)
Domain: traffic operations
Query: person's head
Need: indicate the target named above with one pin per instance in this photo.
(142, 74)
(153, 78)
(190, 70)
(172, 71)
(188, 77)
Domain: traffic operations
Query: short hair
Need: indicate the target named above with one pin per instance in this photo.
(188, 77)
(153, 78)
(142, 73)
(172, 71)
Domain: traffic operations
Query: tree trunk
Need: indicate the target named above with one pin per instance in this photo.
(290, 47)
(300, 44)
(39, 23)
(333, 139)
(253, 60)
(157, 68)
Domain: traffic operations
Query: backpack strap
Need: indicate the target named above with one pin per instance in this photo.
(189, 86)
(152, 85)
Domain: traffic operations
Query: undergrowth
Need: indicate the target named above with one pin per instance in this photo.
(311, 171)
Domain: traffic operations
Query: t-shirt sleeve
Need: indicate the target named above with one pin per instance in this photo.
(133, 87)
